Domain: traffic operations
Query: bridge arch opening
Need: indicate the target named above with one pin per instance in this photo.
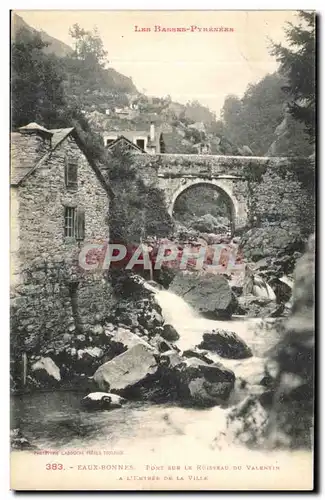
(205, 206)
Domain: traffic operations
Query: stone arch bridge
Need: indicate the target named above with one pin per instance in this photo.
(175, 173)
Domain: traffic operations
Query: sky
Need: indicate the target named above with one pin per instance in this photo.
(206, 66)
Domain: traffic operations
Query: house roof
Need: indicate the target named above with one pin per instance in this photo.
(27, 155)
(128, 134)
(122, 139)
(59, 134)
(24, 156)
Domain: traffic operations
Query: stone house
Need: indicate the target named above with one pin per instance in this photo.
(59, 202)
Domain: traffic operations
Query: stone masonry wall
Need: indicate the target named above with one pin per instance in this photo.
(240, 177)
(173, 173)
(51, 295)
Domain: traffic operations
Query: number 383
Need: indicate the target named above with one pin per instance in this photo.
(54, 466)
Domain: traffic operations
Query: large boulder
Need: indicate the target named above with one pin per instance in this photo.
(258, 307)
(201, 384)
(169, 333)
(226, 344)
(193, 382)
(123, 339)
(126, 371)
(208, 294)
(45, 370)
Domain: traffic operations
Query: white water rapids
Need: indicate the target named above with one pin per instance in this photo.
(190, 326)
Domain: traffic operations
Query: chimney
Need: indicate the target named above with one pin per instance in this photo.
(152, 132)
(37, 130)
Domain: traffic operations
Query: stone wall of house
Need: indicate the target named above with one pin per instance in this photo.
(51, 295)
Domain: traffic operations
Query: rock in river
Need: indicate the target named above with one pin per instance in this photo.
(123, 339)
(127, 370)
(193, 382)
(203, 385)
(46, 370)
(102, 401)
(258, 307)
(226, 344)
(208, 294)
(169, 333)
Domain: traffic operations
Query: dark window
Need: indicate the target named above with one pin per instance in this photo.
(162, 144)
(71, 174)
(74, 223)
(140, 143)
(109, 141)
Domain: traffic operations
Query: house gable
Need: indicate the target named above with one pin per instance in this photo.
(124, 143)
(29, 151)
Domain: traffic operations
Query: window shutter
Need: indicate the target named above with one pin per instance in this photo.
(80, 224)
(66, 172)
(71, 173)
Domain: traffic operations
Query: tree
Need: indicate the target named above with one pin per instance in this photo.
(39, 94)
(88, 46)
(196, 112)
(137, 210)
(230, 114)
(252, 120)
(297, 64)
(255, 120)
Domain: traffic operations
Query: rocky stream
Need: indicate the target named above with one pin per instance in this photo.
(162, 371)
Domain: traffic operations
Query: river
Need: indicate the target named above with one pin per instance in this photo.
(55, 419)
(154, 438)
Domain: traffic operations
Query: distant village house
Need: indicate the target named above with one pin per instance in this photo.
(151, 142)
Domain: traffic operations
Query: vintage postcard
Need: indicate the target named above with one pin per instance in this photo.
(162, 250)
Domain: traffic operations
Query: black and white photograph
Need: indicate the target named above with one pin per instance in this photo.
(162, 250)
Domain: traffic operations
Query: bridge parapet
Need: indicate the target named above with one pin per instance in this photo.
(211, 166)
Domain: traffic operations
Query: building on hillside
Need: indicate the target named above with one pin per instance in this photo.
(203, 148)
(151, 142)
(125, 113)
(59, 203)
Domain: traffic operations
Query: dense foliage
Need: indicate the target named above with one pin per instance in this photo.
(137, 210)
(298, 65)
(36, 82)
(259, 119)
